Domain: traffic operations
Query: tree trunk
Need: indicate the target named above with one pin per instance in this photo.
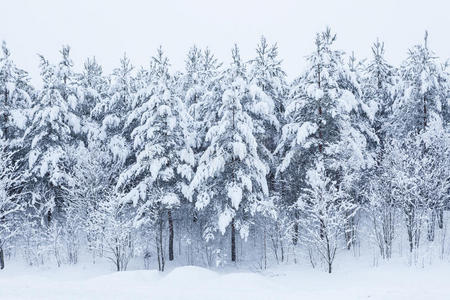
(233, 241)
(322, 229)
(49, 217)
(158, 254)
(329, 255)
(431, 226)
(319, 108)
(389, 231)
(117, 258)
(410, 222)
(350, 232)
(5, 132)
(195, 217)
(161, 244)
(265, 249)
(169, 215)
(424, 112)
(441, 218)
(2, 259)
(410, 239)
(295, 235)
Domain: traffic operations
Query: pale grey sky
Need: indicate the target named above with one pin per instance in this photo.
(107, 28)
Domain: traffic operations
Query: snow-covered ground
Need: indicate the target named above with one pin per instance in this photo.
(395, 281)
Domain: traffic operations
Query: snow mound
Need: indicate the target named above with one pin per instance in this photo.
(185, 275)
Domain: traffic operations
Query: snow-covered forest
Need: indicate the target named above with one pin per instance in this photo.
(225, 164)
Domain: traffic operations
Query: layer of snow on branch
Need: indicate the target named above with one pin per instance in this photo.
(239, 150)
(170, 200)
(348, 101)
(304, 131)
(235, 194)
(225, 219)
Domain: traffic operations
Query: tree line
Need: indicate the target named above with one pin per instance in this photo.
(220, 163)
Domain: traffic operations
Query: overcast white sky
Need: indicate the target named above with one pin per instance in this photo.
(107, 28)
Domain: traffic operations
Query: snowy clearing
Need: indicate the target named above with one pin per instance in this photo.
(385, 282)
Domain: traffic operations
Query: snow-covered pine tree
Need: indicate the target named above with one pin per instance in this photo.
(378, 87)
(54, 127)
(15, 99)
(16, 95)
(92, 89)
(92, 85)
(94, 168)
(424, 85)
(157, 181)
(356, 169)
(201, 94)
(266, 72)
(268, 85)
(112, 112)
(15, 102)
(199, 86)
(268, 88)
(230, 181)
(108, 101)
(193, 85)
(324, 133)
(11, 181)
(419, 116)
